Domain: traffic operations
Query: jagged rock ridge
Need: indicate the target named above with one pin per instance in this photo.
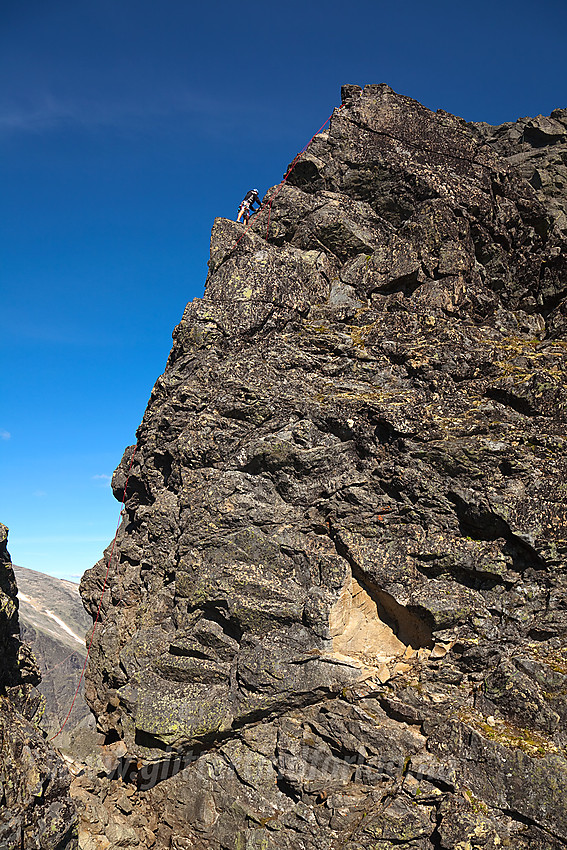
(537, 148)
(36, 811)
(339, 609)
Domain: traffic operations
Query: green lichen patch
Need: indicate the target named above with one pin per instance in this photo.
(513, 737)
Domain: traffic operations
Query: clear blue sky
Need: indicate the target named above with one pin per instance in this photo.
(126, 126)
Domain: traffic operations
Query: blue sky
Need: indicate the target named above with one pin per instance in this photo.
(126, 126)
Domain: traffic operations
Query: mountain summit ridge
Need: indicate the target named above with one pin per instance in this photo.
(339, 609)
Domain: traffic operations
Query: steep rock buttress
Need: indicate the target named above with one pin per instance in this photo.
(338, 608)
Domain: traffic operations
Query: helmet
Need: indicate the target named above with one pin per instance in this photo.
(255, 191)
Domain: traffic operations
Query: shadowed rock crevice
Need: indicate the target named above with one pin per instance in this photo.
(480, 521)
(520, 405)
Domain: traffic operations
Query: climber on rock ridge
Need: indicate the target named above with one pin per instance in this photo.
(251, 197)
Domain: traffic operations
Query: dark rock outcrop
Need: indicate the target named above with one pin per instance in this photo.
(338, 613)
(537, 149)
(36, 811)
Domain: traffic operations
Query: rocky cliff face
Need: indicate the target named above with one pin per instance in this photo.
(36, 812)
(338, 613)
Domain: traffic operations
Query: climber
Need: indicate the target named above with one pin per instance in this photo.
(251, 197)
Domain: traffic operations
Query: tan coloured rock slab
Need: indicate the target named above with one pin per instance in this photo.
(360, 634)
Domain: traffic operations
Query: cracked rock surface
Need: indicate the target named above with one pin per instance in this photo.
(36, 811)
(338, 607)
(537, 149)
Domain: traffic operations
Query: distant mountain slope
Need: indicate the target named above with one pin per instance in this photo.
(53, 605)
(54, 623)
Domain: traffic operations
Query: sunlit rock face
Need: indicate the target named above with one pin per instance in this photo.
(338, 608)
(36, 812)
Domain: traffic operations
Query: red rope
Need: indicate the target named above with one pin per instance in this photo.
(282, 183)
(100, 602)
(292, 166)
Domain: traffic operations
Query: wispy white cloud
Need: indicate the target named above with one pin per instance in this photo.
(52, 112)
(102, 479)
(49, 112)
(4, 435)
(39, 494)
(32, 118)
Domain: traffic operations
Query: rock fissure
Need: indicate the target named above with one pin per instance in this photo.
(517, 816)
